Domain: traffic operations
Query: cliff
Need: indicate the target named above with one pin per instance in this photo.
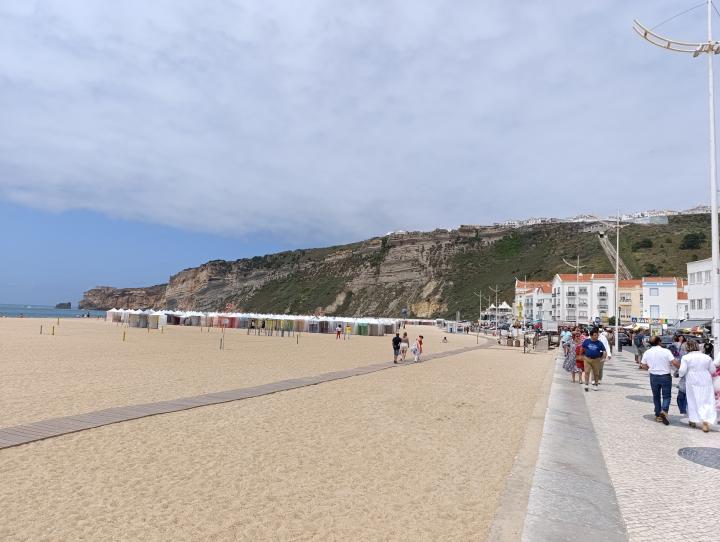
(431, 273)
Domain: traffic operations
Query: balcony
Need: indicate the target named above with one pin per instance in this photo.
(570, 294)
(583, 291)
(625, 301)
(582, 304)
(602, 307)
(602, 294)
(570, 305)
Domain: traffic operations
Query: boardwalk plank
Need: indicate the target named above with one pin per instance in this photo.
(40, 430)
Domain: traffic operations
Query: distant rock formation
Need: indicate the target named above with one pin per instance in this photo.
(67, 305)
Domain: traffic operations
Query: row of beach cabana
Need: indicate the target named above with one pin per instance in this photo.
(261, 323)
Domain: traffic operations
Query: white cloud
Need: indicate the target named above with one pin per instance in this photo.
(322, 120)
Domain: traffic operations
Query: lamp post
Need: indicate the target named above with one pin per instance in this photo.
(479, 296)
(577, 268)
(496, 290)
(711, 48)
(617, 227)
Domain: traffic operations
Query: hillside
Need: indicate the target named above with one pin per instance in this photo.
(431, 273)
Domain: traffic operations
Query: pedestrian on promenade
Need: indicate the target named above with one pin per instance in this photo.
(565, 338)
(579, 358)
(404, 346)
(396, 340)
(338, 332)
(594, 353)
(639, 342)
(570, 362)
(678, 348)
(698, 369)
(659, 362)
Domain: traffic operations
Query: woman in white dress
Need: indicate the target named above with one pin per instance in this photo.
(698, 368)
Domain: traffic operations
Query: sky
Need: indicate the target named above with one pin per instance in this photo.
(139, 138)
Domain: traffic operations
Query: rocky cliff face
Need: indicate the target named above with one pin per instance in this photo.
(107, 297)
(429, 273)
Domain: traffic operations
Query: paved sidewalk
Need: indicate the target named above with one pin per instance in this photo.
(608, 471)
(662, 495)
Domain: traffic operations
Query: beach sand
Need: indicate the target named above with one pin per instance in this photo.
(415, 453)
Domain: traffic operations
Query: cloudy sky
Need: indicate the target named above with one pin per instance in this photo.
(158, 135)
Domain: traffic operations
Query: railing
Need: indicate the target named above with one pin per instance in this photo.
(602, 294)
(583, 292)
(569, 306)
(602, 307)
(570, 294)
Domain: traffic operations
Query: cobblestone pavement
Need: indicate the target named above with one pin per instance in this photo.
(607, 470)
(662, 496)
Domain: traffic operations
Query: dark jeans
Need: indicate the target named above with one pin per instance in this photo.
(682, 402)
(661, 383)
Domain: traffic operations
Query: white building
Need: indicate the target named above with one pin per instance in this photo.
(581, 299)
(660, 297)
(533, 301)
(699, 289)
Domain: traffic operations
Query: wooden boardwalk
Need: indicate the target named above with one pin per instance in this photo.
(54, 427)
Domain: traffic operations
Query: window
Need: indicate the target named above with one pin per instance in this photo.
(691, 278)
(707, 276)
(708, 303)
(583, 314)
(654, 292)
(654, 311)
(699, 304)
(692, 304)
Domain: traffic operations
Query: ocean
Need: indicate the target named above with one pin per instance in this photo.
(40, 311)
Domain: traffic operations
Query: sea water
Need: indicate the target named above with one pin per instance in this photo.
(40, 311)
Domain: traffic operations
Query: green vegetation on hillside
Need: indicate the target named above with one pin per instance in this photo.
(296, 294)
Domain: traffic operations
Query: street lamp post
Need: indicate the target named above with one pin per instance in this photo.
(496, 290)
(479, 296)
(711, 48)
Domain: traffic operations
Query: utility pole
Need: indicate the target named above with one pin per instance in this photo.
(710, 48)
(577, 268)
(479, 296)
(496, 290)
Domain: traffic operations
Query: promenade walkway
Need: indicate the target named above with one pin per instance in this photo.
(23, 434)
(608, 471)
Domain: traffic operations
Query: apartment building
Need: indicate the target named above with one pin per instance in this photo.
(660, 297)
(630, 294)
(699, 289)
(532, 301)
(583, 298)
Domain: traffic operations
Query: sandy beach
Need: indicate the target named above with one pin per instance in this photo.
(415, 453)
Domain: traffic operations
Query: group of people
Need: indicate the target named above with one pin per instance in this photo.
(401, 346)
(697, 396)
(585, 353)
(699, 377)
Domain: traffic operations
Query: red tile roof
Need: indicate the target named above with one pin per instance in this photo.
(682, 296)
(660, 279)
(631, 283)
(584, 277)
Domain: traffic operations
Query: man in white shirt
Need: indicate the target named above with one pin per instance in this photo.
(659, 363)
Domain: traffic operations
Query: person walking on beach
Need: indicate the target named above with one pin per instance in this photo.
(338, 332)
(404, 346)
(417, 348)
(594, 353)
(698, 370)
(396, 340)
(659, 363)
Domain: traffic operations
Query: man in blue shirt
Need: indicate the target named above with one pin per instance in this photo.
(594, 354)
